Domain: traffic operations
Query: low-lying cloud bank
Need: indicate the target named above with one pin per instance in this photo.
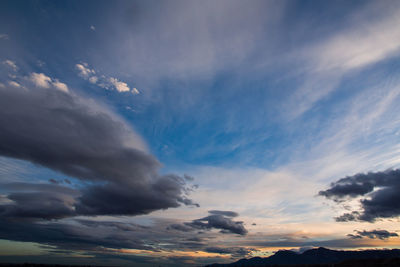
(379, 193)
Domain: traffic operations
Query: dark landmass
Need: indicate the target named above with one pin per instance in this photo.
(45, 265)
(322, 257)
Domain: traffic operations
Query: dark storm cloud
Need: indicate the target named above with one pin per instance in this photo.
(40, 201)
(351, 190)
(79, 138)
(217, 220)
(373, 234)
(382, 189)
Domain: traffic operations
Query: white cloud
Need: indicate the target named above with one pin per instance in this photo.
(3, 36)
(93, 28)
(11, 64)
(93, 79)
(14, 84)
(364, 42)
(103, 81)
(360, 46)
(40, 80)
(60, 86)
(120, 86)
(85, 71)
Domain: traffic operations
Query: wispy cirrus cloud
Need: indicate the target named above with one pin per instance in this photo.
(363, 43)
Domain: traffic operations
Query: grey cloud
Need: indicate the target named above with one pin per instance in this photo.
(237, 252)
(347, 217)
(53, 181)
(225, 224)
(354, 236)
(373, 234)
(351, 190)
(224, 213)
(40, 201)
(180, 227)
(81, 139)
(67, 236)
(188, 177)
(217, 220)
(382, 189)
(125, 227)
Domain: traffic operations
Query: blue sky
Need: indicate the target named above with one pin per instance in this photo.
(264, 104)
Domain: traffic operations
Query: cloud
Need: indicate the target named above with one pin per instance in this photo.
(226, 225)
(81, 139)
(372, 41)
(180, 227)
(135, 91)
(224, 213)
(68, 236)
(44, 81)
(4, 36)
(39, 201)
(84, 71)
(380, 192)
(347, 217)
(11, 64)
(217, 220)
(373, 234)
(237, 252)
(371, 36)
(103, 81)
(60, 86)
(93, 28)
(93, 79)
(40, 80)
(120, 86)
(125, 227)
(14, 84)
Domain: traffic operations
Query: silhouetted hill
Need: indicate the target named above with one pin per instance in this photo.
(45, 265)
(321, 257)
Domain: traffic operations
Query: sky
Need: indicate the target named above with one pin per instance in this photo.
(183, 133)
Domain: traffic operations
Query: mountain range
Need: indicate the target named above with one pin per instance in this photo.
(314, 256)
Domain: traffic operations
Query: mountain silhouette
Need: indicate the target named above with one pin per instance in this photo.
(314, 256)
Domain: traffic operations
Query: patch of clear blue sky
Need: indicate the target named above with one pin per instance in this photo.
(231, 115)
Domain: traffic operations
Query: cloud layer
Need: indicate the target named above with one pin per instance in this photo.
(109, 83)
(216, 220)
(379, 192)
(79, 138)
(373, 234)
